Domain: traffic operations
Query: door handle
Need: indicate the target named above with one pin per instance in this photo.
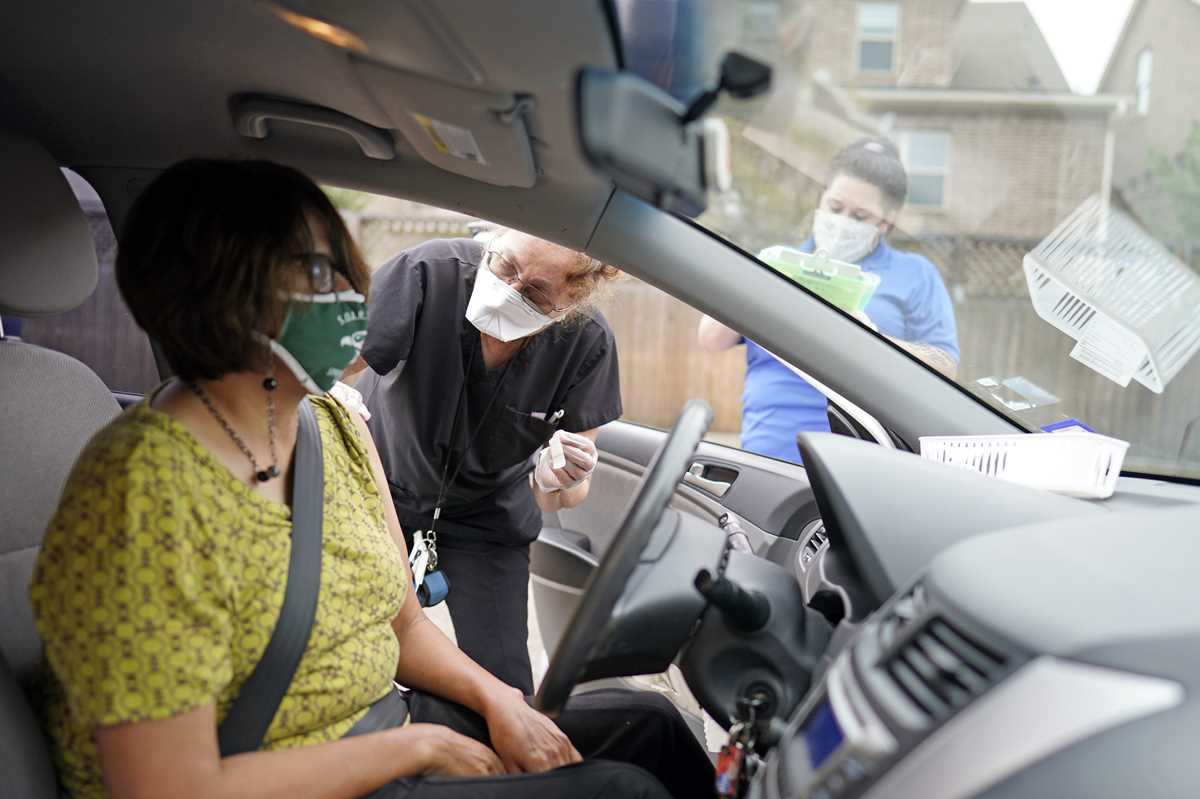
(695, 477)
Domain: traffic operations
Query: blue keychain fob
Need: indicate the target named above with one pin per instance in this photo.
(433, 589)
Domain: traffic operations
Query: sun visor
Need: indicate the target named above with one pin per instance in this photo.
(477, 134)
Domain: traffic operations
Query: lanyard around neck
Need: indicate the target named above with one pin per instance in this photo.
(458, 415)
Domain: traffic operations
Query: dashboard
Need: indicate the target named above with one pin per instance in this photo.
(1044, 656)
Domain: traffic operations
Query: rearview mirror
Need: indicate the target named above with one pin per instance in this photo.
(652, 145)
(631, 131)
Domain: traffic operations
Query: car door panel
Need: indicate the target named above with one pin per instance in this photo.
(772, 495)
(772, 500)
(613, 484)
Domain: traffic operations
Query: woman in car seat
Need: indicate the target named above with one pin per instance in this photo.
(911, 307)
(164, 569)
(485, 358)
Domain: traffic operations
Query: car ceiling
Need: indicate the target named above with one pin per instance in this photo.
(119, 90)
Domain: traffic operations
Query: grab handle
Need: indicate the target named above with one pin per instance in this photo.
(251, 115)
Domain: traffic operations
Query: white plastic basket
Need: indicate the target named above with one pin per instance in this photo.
(1077, 464)
(1131, 305)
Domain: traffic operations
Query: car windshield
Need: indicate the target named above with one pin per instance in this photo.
(1008, 190)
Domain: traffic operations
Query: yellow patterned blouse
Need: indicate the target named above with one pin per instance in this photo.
(161, 578)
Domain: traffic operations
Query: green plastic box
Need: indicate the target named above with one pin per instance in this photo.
(845, 285)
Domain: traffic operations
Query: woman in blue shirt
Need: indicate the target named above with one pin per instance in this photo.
(866, 190)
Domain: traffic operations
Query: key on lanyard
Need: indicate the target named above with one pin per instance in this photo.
(418, 559)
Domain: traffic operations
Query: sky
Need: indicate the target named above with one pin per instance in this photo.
(1082, 52)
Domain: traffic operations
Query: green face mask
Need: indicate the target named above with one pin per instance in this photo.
(321, 335)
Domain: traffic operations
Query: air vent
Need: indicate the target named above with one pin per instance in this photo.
(817, 540)
(899, 615)
(938, 666)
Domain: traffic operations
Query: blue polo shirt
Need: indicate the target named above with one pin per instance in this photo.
(911, 304)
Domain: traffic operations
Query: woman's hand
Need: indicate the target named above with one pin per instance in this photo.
(445, 753)
(526, 741)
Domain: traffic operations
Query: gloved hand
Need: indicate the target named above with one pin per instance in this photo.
(349, 396)
(575, 464)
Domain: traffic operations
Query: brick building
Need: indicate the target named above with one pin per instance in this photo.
(1153, 67)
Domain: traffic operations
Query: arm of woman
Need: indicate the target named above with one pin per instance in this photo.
(714, 336)
(525, 740)
(178, 757)
(928, 354)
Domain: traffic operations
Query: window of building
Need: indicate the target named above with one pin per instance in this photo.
(926, 156)
(1145, 73)
(101, 332)
(878, 27)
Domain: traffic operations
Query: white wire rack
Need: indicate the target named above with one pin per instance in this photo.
(1078, 464)
(1131, 305)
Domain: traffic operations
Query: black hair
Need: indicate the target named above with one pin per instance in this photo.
(875, 160)
(205, 253)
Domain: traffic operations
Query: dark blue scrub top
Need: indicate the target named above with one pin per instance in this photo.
(911, 304)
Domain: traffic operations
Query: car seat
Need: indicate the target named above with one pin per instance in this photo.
(51, 405)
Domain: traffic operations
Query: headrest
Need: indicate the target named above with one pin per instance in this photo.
(47, 259)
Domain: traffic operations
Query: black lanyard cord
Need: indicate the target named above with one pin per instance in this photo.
(458, 414)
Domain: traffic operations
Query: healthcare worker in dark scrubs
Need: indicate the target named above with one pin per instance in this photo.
(490, 373)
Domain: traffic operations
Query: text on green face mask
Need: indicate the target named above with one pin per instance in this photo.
(357, 315)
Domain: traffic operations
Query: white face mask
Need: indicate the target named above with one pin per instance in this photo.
(843, 238)
(499, 310)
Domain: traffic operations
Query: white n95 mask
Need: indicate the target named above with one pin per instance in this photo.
(499, 310)
(843, 238)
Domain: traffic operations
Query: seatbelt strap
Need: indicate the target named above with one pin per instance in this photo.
(254, 708)
(389, 712)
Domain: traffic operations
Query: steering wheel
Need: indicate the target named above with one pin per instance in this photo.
(605, 587)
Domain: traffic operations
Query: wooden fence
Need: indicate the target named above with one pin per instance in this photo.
(662, 367)
(1004, 337)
